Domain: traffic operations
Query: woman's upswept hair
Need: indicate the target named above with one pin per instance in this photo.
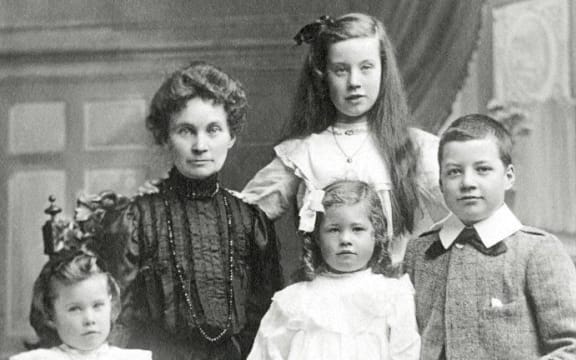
(313, 111)
(347, 193)
(198, 79)
(65, 268)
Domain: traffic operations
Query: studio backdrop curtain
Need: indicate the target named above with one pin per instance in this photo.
(434, 41)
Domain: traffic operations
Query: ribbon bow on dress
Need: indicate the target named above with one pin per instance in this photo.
(311, 204)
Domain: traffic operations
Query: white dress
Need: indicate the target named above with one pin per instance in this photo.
(340, 317)
(64, 352)
(303, 167)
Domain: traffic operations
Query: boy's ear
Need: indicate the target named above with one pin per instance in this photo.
(510, 176)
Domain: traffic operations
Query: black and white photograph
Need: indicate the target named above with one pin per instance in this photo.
(287, 179)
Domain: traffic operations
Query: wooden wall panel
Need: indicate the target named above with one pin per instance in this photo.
(37, 127)
(26, 201)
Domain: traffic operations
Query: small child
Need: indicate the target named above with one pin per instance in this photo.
(74, 304)
(488, 287)
(344, 308)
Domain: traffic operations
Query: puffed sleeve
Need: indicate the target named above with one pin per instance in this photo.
(121, 243)
(428, 180)
(274, 338)
(137, 325)
(266, 277)
(551, 285)
(272, 188)
(117, 234)
(404, 337)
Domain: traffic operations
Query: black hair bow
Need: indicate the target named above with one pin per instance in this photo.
(310, 32)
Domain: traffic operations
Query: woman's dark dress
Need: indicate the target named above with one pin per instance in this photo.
(155, 314)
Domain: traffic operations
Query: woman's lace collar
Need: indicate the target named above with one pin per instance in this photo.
(192, 188)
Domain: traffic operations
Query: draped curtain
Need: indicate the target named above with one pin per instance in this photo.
(434, 42)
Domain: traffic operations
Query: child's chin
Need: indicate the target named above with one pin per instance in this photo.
(347, 269)
(471, 220)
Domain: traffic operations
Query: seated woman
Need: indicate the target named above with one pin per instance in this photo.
(196, 264)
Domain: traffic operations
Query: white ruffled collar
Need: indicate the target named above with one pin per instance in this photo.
(345, 275)
(79, 354)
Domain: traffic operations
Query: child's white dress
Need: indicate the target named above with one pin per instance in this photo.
(362, 316)
(64, 352)
(303, 167)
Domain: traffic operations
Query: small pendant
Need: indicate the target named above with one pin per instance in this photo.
(349, 132)
(349, 160)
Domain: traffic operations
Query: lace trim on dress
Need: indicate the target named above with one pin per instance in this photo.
(192, 188)
(346, 305)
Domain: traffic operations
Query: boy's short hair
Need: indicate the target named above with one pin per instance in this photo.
(476, 127)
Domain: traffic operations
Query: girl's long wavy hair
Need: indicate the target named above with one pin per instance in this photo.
(348, 193)
(66, 268)
(313, 111)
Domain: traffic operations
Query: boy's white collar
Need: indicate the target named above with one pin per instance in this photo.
(501, 224)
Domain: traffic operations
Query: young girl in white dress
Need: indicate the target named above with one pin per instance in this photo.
(350, 122)
(348, 304)
(74, 304)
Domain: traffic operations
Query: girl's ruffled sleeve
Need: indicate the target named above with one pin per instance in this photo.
(274, 338)
(429, 177)
(404, 337)
(272, 188)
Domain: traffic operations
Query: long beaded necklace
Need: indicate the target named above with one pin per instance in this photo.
(180, 274)
(349, 158)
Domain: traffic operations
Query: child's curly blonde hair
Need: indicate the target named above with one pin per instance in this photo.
(346, 193)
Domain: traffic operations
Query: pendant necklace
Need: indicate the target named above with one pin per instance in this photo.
(349, 158)
(193, 320)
